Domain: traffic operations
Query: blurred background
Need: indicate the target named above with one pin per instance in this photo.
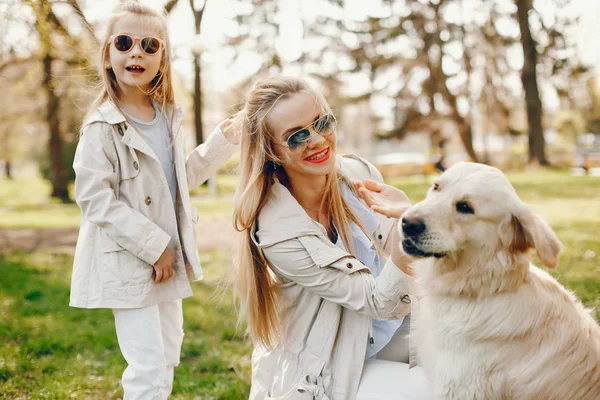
(416, 85)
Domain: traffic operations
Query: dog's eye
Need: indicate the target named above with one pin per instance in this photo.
(464, 208)
(436, 187)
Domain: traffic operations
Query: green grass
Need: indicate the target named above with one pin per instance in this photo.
(51, 351)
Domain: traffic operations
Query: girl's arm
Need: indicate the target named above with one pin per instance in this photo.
(208, 157)
(94, 192)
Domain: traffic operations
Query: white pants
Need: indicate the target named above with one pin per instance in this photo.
(387, 377)
(388, 380)
(397, 348)
(150, 340)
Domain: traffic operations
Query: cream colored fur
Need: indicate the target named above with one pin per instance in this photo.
(489, 324)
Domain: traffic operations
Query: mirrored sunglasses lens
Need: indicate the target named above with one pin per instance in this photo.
(325, 125)
(150, 45)
(298, 139)
(123, 42)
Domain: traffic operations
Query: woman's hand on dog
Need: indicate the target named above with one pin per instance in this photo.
(381, 198)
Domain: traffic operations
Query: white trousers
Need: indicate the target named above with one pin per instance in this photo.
(387, 377)
(150, 340)
(388, 380)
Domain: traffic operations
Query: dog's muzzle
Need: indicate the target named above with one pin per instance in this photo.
(412, 230)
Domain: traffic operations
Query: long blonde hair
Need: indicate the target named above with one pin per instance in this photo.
(161, 86)
(255, 287)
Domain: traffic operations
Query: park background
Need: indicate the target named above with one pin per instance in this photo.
(512, 83)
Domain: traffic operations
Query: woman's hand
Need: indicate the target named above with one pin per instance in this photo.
(383, 199)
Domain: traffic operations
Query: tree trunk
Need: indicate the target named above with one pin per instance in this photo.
(58, 172)
(7, 170)
(529, 78)
(197, 76)
(466, 135)
(198, 101)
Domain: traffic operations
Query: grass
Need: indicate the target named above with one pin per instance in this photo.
(51, 351)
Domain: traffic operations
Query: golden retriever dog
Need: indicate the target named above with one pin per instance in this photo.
(488, 324)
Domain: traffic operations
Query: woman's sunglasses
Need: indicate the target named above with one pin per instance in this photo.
(125, 43)
(324, 126)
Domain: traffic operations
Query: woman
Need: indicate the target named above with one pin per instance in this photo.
(309, 250)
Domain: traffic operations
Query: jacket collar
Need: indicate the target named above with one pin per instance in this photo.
(282, 218)
(111, 113)
(108, 112)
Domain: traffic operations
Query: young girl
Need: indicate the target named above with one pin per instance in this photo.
(311, 274)
(136, 249)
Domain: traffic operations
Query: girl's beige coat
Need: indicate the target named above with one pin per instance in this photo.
(127, 215)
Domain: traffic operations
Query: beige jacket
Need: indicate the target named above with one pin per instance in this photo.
(329, 300)
(127, 214)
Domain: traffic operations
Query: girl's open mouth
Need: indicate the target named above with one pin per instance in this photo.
(135, 69)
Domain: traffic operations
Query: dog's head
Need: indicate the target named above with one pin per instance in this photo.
(473, 211)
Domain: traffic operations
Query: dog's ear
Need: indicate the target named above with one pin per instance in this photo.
(526, 230)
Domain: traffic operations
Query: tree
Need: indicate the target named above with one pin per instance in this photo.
(537, 152)
(198, 12)
(55, 55)
(18, 81)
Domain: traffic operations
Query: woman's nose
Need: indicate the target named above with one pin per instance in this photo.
(315, 138)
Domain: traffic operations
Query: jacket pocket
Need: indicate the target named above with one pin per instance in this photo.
(121, 268)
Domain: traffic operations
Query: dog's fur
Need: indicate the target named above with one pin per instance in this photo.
(488, 324)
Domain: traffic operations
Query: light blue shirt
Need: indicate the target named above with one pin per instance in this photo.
(156, 134)
(367, 254)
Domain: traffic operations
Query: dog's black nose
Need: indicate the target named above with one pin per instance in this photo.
(413, 226)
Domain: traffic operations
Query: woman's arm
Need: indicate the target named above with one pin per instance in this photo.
(331, 274)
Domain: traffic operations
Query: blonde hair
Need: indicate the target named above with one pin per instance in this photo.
(255, 286)
(161, 86)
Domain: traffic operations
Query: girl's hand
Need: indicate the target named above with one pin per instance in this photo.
(164, 266)
(230, 134)
(383, 199)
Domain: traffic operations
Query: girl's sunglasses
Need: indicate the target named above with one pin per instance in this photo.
(324, 126)
(125, 43)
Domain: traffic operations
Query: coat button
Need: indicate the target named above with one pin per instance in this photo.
(301, 390)
(120, 130)
(349, 265)
(380, 236)
(148, 200)
(405, 299)
(135, 165)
